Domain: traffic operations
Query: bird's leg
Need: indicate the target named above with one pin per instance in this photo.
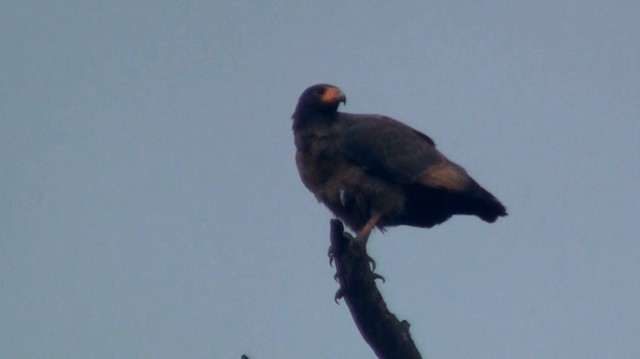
(364, 232)
(362, 236)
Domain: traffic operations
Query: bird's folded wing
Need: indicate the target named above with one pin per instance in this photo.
(389, 149)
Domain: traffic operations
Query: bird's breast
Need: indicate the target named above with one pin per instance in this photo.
(317, 160)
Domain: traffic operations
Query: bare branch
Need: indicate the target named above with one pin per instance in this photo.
(385, 334)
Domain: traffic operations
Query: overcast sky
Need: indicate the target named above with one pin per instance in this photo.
(150, 206)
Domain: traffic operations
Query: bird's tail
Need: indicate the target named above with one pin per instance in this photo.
(481, 203)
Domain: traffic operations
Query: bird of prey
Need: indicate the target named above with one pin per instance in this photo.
(374, 171)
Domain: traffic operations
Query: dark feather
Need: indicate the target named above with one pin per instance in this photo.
(374, 170)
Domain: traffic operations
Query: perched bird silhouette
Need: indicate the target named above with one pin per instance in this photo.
(373, 171)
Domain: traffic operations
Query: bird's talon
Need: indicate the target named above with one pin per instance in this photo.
(372, 263)
(378, 276)
(331, 253)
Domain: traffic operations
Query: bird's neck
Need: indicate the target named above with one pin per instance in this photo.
(313, 119)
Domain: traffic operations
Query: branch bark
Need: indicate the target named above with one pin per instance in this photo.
(385, 334)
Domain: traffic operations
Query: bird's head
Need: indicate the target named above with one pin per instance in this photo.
(321, 98)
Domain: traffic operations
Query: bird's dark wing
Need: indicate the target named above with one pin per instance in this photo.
(392, 150)
(388, 148)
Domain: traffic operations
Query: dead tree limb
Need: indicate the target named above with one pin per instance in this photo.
(385, 334)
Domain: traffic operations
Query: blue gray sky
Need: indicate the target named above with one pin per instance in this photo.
(150, 206)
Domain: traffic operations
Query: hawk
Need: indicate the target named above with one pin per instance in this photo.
(374, 171)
